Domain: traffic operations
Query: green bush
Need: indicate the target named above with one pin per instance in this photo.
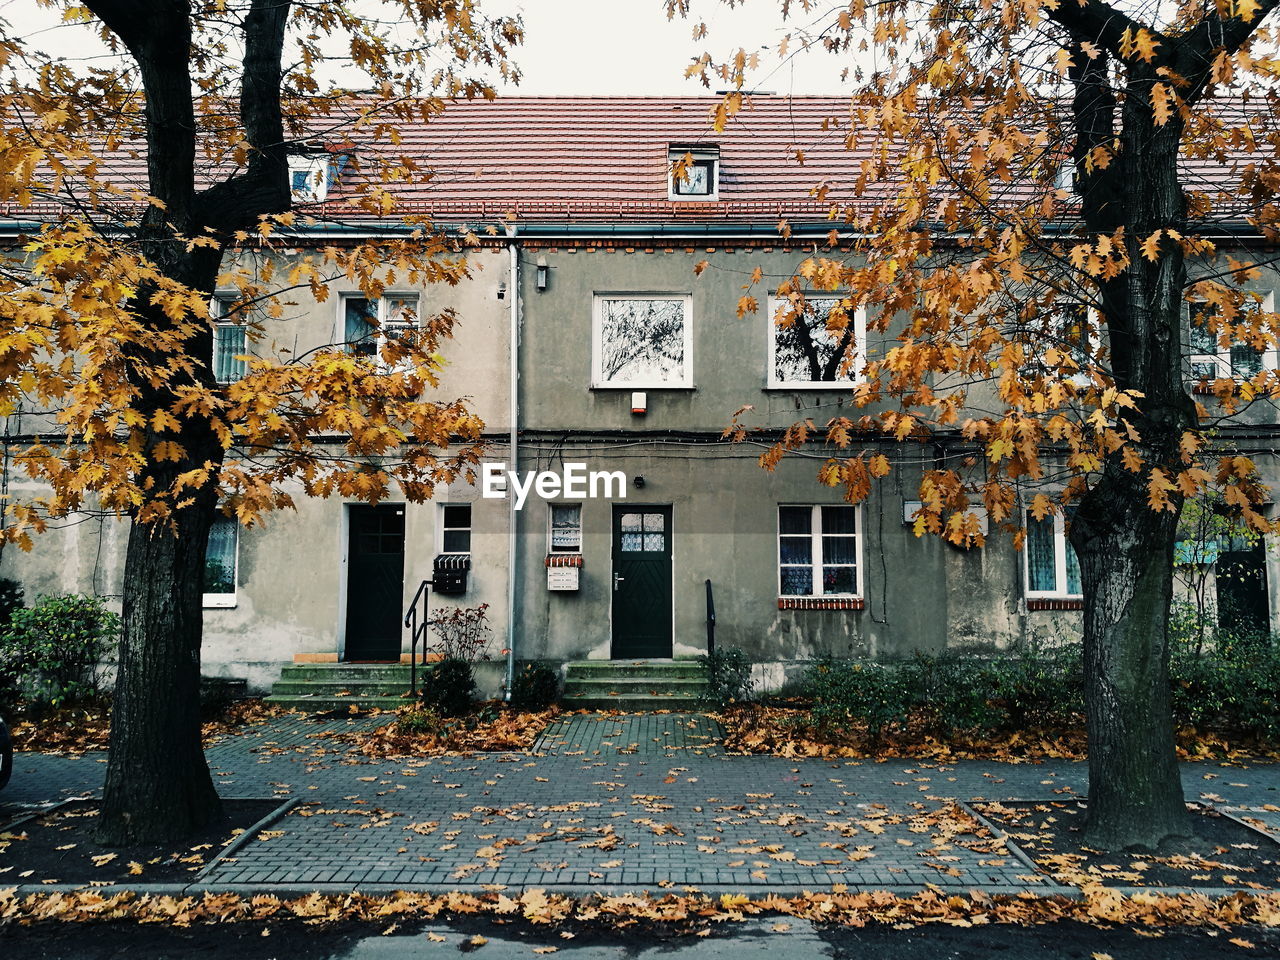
(1231, 687)
(11, 599)
(951, 693)
(958, 693)
(1235, 687)
(727, 674)
(876, 694)
(448, 687)
(419, 721)
(535, 687)
(53, 652)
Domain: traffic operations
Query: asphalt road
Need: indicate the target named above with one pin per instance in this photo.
(758, 939)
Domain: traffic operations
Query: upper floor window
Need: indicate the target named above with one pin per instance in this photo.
(1210, 360)
(818, 548)
(228, 341)
(694, 172)
(641, 341)
(309, 177)
(220, 562)
(815, 343)
(369, 324)
(1073, 331)
(1052, 567)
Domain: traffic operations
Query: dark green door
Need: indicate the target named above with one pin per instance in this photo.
(1241, 574)
(641, 582)
(375, 582)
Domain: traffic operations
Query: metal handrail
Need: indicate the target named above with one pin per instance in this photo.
(417, 630)
(711, 620)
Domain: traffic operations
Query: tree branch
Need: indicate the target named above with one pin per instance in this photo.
(1098, 22)
(237, 202)
(158, 35)
(1196, 50)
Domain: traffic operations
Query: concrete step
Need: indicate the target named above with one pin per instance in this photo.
(333, 688)
(658, 686)
(586, 669)
(323, 704)
(347, 672)
(632, 703)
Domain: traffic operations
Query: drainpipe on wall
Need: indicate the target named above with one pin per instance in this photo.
(513, 453)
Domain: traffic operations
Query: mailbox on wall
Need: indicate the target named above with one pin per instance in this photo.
(562, 578)
(563, 571)
(449, 576)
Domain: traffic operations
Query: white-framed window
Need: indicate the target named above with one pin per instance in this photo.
(806, 353)
(1209, 360)
(309, 177)
(220, 561)
(565, 534)
(642, 341)
(229, 342)
(819, 550)
(455, 528)
(693, 172)
(1052, 568)
(1072, 329)
(369, 324)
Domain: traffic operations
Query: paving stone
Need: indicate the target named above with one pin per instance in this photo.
(673, 810)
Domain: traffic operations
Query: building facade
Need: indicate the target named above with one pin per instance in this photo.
(601, 338)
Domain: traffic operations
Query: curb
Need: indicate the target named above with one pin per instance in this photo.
(292, 890)
(248, 833)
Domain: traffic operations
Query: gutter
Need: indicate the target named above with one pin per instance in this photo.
(513, 565)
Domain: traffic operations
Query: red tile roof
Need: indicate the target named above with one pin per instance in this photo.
(611, 153)
(605, 160)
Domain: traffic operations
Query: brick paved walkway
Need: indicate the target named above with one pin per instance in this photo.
(651, 734)
(617, 803)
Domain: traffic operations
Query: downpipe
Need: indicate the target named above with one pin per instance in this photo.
(513, 453)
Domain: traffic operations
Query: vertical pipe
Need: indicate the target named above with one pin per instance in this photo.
(513, 454)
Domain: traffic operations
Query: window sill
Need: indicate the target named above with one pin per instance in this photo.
(646, 387)
(218, 601)
(1055, 603)
(821, 603)
(843, 386)
(1208, 389)
(564, 560)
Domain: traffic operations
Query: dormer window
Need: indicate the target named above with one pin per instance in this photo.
(309, 177)
(694, 171)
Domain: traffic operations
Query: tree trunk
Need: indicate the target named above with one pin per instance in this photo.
(1126, 563)
(158, 787)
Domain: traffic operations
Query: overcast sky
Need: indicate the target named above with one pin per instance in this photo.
(578, 46)
(629, 46)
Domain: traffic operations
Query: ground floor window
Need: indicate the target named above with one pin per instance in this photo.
(1052, 567)
(566, 528)
(220, 563)
(455, 528)
(818, 548)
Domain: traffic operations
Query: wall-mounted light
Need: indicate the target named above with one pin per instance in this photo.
(502, 289)
(639, 482)
(542, 274)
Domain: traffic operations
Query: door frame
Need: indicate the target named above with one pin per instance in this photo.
(617, 507)
(344, 567)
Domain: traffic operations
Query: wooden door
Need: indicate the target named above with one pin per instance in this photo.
(641, 582)
(375, 582)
